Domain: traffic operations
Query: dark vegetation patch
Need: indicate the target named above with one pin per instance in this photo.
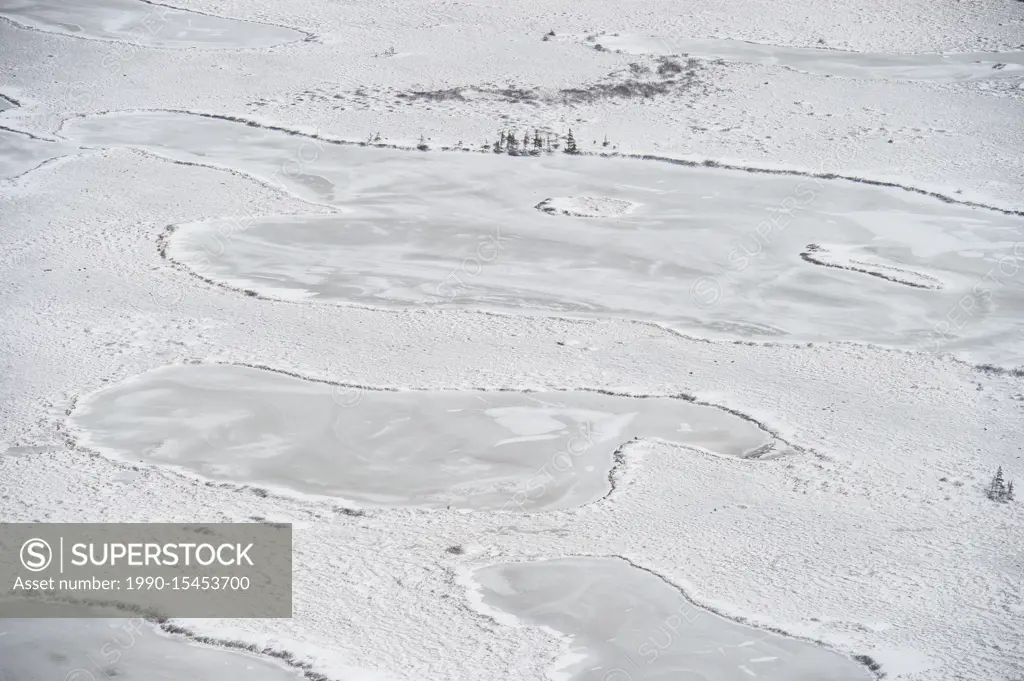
(662, 76)
(668, 75)
(450, 94)
(670, 66)
(353, 512)
(626, 90)
(868, 662)
(995, 370)
(644, 78)
(514, 94)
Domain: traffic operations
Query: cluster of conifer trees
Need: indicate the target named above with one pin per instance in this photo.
(510, 143)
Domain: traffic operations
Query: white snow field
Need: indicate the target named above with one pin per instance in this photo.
(768, 306)
(466, 449)
(828, 62)
(623, 622)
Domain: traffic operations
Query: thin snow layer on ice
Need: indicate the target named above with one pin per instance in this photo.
(6, 103)
(143, 24)
(942, 68)
(627, 623)
(506, 450)
(586, 206)
(20, 153)
(128, 649)
(710, 250)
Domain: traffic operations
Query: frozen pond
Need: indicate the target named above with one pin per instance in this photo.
(627, 624)
(715, 251)
(481, 450)
(942, 68)
(19, 153)
(125, 649)
(144, 24)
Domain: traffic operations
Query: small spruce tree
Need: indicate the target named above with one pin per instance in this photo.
(512, 143)
(998, 489)
(570, 144)
(422, 146)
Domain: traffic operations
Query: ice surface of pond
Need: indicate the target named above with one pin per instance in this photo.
(19, 153)
(712, 251)
(864, 65)
(144, 24)
(495, 450)
(627, 624)
(125, 649)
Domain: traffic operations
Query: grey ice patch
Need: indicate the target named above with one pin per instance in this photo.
(20, 153)
(142, 24)
(504, 450)
(627, 624)
(123, 649)
(712, 249)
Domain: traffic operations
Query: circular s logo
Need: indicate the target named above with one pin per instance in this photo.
(706, 292)
(79, 675)
(617, 674)
(36, 555)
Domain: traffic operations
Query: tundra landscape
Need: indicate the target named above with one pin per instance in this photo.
(575, 341)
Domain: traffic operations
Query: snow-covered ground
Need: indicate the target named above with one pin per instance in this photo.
(135, 235)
